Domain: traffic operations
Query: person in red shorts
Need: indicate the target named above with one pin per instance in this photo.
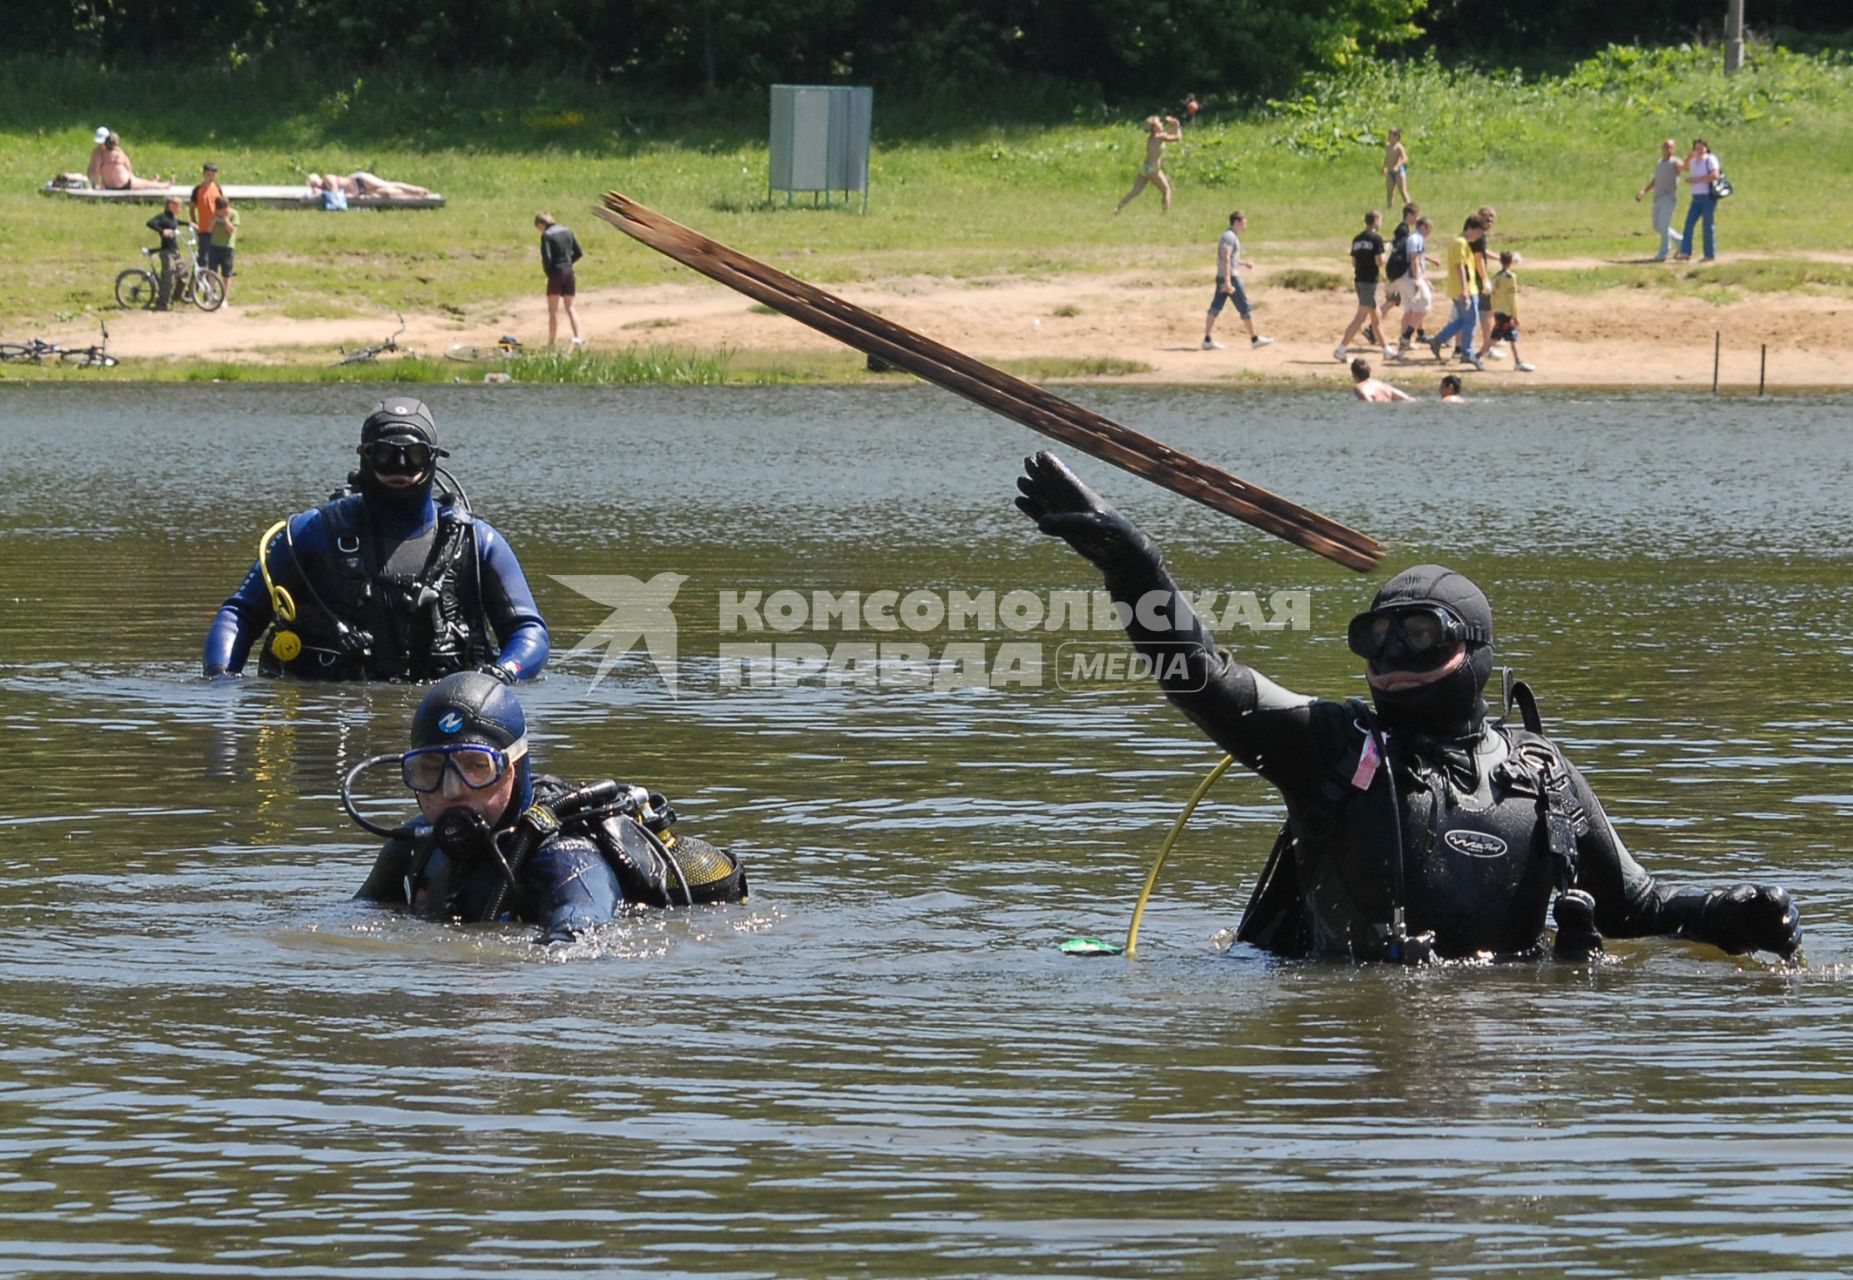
(559, 250)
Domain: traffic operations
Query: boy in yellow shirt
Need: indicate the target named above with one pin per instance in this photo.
(1505, 309)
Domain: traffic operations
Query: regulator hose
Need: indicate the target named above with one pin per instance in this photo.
(1164, 851)
(403, 832)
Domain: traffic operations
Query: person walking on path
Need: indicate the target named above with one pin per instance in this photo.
(1395, 170)
(559, 251)
(1483, 252)
(1665, 186)
(166, 224)
(1366, 268)
(1418, 296)
(1702, 170)
(1464, 292)
(1505, 309)
(1229, 265)
(205, 202)
(1372, 389)
(1396, 267)
(1157, 133)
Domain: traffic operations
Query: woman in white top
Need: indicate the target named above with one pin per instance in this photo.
(1702, 169)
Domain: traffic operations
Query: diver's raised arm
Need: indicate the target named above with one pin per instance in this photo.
(1261, 724)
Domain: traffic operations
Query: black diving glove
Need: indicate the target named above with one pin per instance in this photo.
(1063, 507)
(1577, 937)
(503, 673)
(1747, 917)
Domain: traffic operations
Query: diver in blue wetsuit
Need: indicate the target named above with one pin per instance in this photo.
(390, 582)
(1416, 827)
(496, 842)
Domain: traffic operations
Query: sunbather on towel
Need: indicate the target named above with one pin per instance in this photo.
(111, 170)
(362, 183)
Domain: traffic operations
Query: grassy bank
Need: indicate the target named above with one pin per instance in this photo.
(1560, 156)
(654, 366)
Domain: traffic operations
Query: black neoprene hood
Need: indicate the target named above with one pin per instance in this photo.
(469, 707)
(402, 420)
(1437, 585)
(1454, 706)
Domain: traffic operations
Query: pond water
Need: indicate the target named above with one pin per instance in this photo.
(213, 1063)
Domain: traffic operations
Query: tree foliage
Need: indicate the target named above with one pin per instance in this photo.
(1116, 48)
(974, 52)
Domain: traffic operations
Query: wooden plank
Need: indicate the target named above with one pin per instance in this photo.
(1032, 406)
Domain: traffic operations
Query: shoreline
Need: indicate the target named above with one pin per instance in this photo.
(1119, 328)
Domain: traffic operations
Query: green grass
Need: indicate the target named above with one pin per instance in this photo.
(1722, 281)
(1560, 157)
(652, 365)
(1055, 368)
(1303, 280)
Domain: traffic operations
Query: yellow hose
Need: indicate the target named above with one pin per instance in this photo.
(280, 602)
(1164, 851)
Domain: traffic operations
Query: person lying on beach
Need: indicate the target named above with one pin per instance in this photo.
(112, 170)
(362, 183)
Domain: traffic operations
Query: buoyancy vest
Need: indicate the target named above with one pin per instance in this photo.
(654, 866)
(1402, 842)
(385, 611)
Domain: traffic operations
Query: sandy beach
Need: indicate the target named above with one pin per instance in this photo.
(1625, 337)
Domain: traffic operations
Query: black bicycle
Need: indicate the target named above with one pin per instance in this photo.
(137, 288)
(31, 351)
(38, 351)
(93, 357)
(371, 355)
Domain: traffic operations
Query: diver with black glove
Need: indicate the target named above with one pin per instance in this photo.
(392, 581)
(1418, 828)
(496, 842)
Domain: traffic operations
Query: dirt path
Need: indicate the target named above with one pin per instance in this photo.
(1621, 337)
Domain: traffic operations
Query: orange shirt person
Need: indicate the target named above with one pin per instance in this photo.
(205, 199)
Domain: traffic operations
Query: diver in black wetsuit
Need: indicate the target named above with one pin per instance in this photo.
(1420, 829)
(495, 842)
(390, 582)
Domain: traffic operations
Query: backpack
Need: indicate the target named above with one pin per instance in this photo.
(1398, 265)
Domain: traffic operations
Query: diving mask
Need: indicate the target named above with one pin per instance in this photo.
(1418, 634)
(476, 766)
(397, 458)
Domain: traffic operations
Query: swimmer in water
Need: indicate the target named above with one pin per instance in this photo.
(1373, 389)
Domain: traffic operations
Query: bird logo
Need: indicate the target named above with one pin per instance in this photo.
(640, 615)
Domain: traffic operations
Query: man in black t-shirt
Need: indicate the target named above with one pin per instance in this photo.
(166, 224)
(1367, 269)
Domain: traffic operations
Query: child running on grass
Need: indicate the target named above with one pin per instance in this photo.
(1505, 309)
